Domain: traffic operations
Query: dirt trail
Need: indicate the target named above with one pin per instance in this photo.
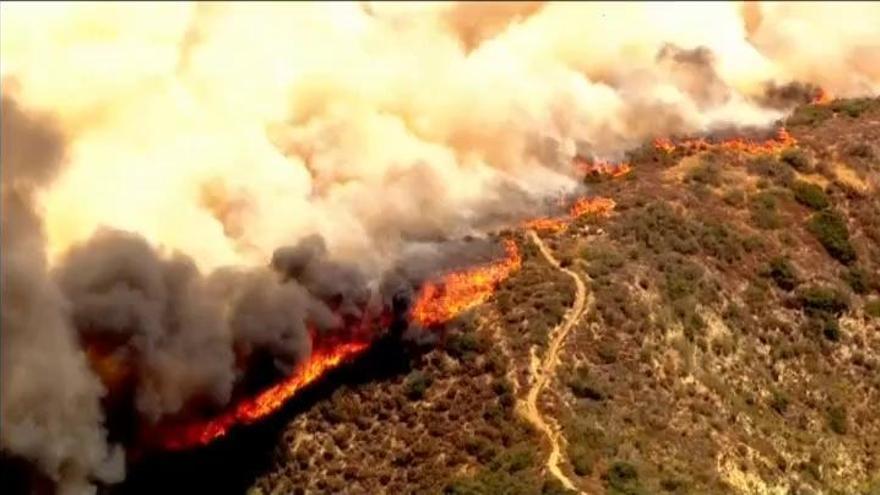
(543, 371)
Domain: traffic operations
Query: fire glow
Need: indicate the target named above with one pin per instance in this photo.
(436, 303)
(441, 301)
(601, 168)
(779, 142)
(178, 437)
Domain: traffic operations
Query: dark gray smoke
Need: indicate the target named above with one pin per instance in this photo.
(49, 400)
(786, 96)
(693, 71)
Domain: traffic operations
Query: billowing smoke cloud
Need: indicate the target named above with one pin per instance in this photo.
(49, 400)
(227, 130)
(201, 138)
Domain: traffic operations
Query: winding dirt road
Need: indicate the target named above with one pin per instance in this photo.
(543, 371)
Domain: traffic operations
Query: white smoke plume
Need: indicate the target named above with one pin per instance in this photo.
(215, 133)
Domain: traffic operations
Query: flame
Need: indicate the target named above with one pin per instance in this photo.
(177, 437)
(459, 291)
(821, 97)
(437, 303)
(775, 144)
(546, 224)
(601, 167)
(598, 205)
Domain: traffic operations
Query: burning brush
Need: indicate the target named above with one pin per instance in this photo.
(436, 303)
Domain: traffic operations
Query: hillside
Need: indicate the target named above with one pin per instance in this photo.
(729, 342)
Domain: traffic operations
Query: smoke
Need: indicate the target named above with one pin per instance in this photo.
(49, 400)
(200, 138)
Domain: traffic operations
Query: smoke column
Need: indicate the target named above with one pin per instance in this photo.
(189, 142)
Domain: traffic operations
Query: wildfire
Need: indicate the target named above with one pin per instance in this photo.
(601, 168)
(821, 97)
(456, 292)
(177, 437)
(775, 144)
(598, 205)
(436, 303)
(547, 224)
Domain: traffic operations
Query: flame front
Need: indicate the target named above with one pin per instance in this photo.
(459, 291)
(177, 437)
(601, 168)
(775, 144)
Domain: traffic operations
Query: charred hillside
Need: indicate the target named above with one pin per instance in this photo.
(730, 341)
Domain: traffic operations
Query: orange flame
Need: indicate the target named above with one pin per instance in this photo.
(459, 291)
(583, 206)
(179, 437)
(546, 224)
(601, 167)
(775, 144)
(821, 97)
(598, 205)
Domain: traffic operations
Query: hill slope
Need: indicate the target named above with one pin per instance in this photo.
(730, 343)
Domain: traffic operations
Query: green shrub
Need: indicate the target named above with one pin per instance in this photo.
(872, 308)
(583, 386)
(783, 273)
(779, 401)
(416, 384)
(764, 215)
(622, 478)
(602, 260)
(682, 277)
(809, 194)
(735, 197)
(770, 171)
(853, 107)
(830, 328)
(809, 115)
(582, 459)
(465, 345)
(859, 279)
(707, 173)
(830, 229)
(819, 299)
(796, 158)
(837, 419)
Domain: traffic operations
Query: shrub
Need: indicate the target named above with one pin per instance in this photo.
(861, 150)
(796, 158)
(783, 273)
(872, 308)
(770, 171)
(830, 229)
(764, 215)
(582, 459)
(852, 107)
(706, 173)
(582, 386)
(818, 299)
(779, 402)
(809, 194)
(859, 279)
(837, 419)
(683, 278)
(465, 345)
(416, 384)
(810, 115)
(622, 478)
(602, 260)
(830, 328)
(735, 197)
